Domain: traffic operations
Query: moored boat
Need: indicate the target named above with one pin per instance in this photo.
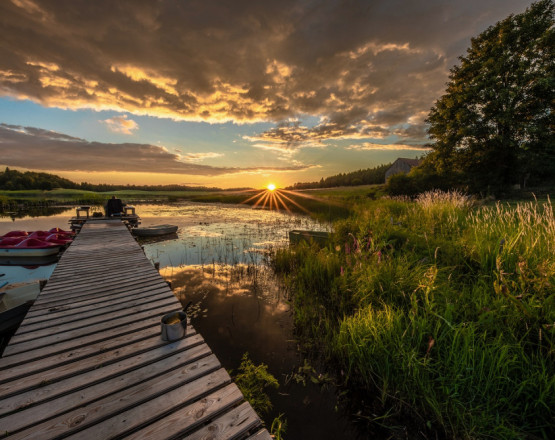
(15, 302)
(34, 244)
(154, 231)
(29, 247)
(320, 237)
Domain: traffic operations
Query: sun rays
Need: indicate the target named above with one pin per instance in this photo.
(276, 198)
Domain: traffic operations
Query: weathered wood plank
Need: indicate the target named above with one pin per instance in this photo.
(83, 307)
(260, 435)
(77, 334)
(136, 415)
(87, 317)
(232, 424)
(34, 389)
(77, 289)
(87, 324)
(108, 398)
(81, 352)
(94, 296)
(190, 417)
(75, 346)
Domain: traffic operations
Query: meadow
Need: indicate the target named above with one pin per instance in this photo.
(325, 204)
(437, 314)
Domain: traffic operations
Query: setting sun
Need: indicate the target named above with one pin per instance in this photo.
(271, 187)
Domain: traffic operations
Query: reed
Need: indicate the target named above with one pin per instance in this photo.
(440, 311)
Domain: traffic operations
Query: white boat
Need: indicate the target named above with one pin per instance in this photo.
(154, 231)
(15, 301)
(29, 252)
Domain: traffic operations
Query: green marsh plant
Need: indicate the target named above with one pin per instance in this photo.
(438, 310)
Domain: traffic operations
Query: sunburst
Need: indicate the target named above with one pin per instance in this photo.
(272, 198)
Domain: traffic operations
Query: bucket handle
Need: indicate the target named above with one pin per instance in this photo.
(184, 322)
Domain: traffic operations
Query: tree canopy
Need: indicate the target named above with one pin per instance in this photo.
(494, 125)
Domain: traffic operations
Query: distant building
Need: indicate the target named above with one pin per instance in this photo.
(401, 165)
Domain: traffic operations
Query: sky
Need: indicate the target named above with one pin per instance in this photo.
(229, 93)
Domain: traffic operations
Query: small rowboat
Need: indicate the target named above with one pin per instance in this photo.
(320, 237)
(27, 247)
(154, 231)
(15, 302)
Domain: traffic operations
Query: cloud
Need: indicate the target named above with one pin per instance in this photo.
(198, 157)
(368, 146)
(120, 124)
(363, 68)
(38, 149)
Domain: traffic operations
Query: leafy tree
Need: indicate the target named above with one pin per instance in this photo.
(494, 125)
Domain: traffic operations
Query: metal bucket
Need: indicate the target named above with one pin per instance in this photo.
(174, 325)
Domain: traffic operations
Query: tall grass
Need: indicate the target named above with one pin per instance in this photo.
(442, 312)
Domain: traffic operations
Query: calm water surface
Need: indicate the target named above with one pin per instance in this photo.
(217, 261)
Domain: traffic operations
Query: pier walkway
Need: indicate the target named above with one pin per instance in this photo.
(88, 361)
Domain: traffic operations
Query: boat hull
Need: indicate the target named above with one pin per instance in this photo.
(14, 304)
(154, 231)
(25, 253)
(320, 237)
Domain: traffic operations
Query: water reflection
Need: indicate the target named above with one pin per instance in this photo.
(242, 308)
(219, 234)
(15, 274)
(41, 219)
(35, 211)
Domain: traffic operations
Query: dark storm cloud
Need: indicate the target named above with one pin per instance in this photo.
(363, 67)
(38, 149)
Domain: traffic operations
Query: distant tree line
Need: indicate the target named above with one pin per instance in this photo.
(368, 176)
(13, 180)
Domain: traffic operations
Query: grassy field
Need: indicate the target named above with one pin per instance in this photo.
(71, 196)
(438, 314)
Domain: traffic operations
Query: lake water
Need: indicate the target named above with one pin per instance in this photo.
(217, 261)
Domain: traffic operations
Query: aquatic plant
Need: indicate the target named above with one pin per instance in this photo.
(253, 380)
(279, 427)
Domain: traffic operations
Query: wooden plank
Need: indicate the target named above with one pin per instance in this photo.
(88, 265)
(86, 317)
(77, 334)
(86, 325)
(95, 296)
(78, 288)
(34, 390)
(12, 372)
(80, 307)
(112, 396)
(116, 268)
(76, 346)
(75, 291)
(260, 435)
(200, 411)
(232, 424)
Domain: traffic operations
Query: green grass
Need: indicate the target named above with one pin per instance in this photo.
(75, 196)
(438, 311)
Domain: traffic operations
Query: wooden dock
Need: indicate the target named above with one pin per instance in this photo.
(88, 361)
